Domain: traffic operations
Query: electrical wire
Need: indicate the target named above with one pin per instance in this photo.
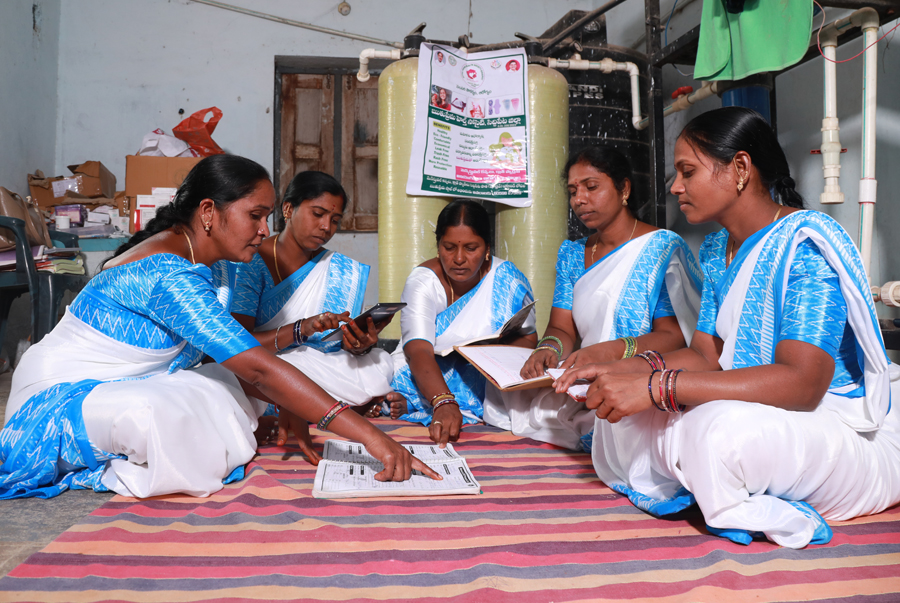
(666, 39)
(860, 53)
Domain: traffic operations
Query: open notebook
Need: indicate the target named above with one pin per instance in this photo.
(501, 365)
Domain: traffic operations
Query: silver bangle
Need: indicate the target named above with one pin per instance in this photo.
(277, 349)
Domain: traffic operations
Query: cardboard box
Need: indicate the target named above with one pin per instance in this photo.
(96, 180)
(91, 180)
(145, 209)
(143, 173)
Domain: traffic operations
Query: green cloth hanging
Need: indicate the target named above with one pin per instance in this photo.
(769, 35)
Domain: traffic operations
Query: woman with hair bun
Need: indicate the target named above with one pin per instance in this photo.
(627, 287)
(462, 294)
(113, 399)
(779, 413)
(294, 289)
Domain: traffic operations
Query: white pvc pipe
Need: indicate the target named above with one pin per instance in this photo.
(868, 20)
(685, 100)
(371, 53)
(831, 144)
(607, 65)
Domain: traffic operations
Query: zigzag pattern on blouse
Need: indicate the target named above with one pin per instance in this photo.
(757, 337)
(569, 268)
(160, 300)
(633, 315)
(511, 291)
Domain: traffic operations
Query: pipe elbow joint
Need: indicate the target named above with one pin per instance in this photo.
(866, 18)
(364, 56)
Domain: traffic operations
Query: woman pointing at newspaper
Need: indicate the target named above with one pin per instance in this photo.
(113, 399)
(462, 294)
(626, 288)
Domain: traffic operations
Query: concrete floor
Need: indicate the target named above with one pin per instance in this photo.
(28, 525)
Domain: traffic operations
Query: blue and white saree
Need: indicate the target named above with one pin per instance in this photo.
(107, 399)
(619, 295)
(479, 313)
(330, 282)
(752, 468)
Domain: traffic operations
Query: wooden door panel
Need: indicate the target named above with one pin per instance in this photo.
(307, 132)
(359, 152)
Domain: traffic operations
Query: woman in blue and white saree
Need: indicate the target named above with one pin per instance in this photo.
(628, 280)
(462, 294)
(110, 399)
(294, 282)
(787, 414)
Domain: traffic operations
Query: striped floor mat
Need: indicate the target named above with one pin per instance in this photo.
(545, 529)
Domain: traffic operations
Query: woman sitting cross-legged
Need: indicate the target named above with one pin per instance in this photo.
(627, 287)
(462, 294)
(783, 413)
(294, 290)
(113, 398)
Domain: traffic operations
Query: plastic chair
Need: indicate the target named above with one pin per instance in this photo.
(46, 288)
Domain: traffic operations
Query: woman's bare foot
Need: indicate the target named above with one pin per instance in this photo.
(398, 405)
(370, 410)
(267, 431)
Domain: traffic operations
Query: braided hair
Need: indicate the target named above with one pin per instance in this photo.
(722, 133)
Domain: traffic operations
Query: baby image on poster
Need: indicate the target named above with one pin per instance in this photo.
(507, 153)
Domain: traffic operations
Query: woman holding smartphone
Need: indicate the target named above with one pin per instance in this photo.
(294, 292)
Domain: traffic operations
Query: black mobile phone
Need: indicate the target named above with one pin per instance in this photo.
(378, 312)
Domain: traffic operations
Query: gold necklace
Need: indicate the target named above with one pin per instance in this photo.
(594, 248)
(731, 253)
(190, 247)
(275, 257)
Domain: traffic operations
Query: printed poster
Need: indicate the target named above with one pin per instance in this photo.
(471, 131)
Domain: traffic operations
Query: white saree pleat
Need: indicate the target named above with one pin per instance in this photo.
(352, 379)
(182, 432)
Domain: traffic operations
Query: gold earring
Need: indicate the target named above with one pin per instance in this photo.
(625, 200)
(740, 185)
(206, 226)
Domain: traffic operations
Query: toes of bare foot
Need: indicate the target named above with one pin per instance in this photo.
(398, 408)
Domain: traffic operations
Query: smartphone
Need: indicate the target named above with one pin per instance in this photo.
(378, 312)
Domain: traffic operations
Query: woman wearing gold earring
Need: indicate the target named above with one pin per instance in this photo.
(626, 288)
(462, 294)
(294, 290)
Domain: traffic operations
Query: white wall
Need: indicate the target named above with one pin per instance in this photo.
(158, 56)
(155, 57)
(29, 47)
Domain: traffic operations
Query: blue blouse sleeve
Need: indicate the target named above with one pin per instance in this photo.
(712, 263)
(185, 302)
(663, 304)
(815, 311)
(567, 273)
(249, 288)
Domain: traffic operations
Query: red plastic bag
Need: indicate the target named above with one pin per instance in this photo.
(198, 133)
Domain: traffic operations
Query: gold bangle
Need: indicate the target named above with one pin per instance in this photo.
(630, 347)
